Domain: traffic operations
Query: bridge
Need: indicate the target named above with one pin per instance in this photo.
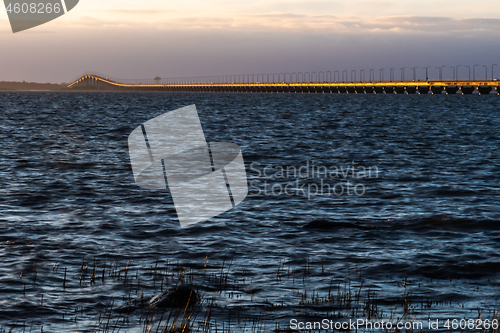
(248, 84)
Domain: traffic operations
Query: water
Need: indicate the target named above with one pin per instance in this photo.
(419, 238)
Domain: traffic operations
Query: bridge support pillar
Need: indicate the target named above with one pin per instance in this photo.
(423, 90)
(451, 90)
(436, 90)
(411, 89)
(400, 90)
(484, 90)
(467, 90)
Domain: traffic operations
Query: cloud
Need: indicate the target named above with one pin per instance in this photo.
(137, 11)
(283, 22)
(425, 24)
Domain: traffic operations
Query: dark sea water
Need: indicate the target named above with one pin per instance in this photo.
(418, 240)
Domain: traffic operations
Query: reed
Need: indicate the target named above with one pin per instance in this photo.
(228, 299)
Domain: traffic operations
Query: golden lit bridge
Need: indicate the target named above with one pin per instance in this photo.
(278, 83)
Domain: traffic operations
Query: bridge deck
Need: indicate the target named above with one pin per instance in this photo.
(93, 80)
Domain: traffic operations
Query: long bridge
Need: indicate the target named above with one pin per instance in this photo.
(249, 85)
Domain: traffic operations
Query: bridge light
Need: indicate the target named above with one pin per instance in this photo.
(474, 72)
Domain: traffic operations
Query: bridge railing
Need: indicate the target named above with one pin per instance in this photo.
(332, 76)
(115, 79)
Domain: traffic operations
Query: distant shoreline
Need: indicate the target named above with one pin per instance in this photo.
(31, 86)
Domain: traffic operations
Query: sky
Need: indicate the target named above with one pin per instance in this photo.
(134, 39)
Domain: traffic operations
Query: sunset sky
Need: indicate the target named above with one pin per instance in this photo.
(137, 39)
